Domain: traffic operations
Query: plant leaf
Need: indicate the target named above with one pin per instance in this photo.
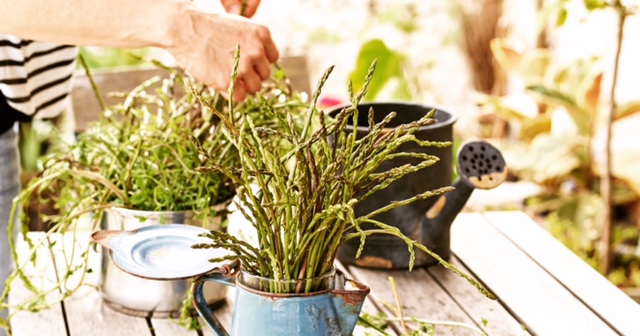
(508, 58)
(562, 16)
(555, 98)
(537, 61)
(548, 157)
(592, 5)
(389, 66)
(588, 94)
(627, 109)
(533, 127)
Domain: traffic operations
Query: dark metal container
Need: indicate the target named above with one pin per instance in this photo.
(384, 251)
(428, 221)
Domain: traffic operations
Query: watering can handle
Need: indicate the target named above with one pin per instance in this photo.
(225, 275)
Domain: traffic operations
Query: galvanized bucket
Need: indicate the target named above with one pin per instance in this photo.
(144, 297)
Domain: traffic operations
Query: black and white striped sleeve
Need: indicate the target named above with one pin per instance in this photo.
(35, 77)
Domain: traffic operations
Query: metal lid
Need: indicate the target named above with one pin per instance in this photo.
(160, 252)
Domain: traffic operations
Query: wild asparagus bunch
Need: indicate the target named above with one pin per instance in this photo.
(307, 190)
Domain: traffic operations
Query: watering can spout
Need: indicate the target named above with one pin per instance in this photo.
(480, 166)
(348, 300)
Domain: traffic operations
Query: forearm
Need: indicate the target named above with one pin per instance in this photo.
(109, 23)
(203, 44)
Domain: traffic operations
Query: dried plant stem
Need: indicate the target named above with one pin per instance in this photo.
(399, 311)
(403, 320)
(606, 186)
(439, 322)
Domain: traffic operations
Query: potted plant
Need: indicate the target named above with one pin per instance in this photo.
(301, 205)
(136, 167)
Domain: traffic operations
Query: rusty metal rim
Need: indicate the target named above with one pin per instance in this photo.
(452, 118)
(282, 295)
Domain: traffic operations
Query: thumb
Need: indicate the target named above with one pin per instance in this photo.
(234, 9)
(232, 6)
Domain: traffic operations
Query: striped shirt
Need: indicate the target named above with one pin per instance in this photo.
(35, 77)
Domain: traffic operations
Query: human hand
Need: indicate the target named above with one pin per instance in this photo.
(235, 7)
(204, 46)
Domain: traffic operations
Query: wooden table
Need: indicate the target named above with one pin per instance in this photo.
(542, 289)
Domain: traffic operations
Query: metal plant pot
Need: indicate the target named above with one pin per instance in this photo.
(144, 297)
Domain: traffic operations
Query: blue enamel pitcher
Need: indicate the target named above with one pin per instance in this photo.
(331, 310)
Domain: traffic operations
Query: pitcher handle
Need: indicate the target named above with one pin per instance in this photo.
(225, 275)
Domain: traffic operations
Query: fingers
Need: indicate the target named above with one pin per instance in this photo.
(270, 49)
(250, 77)
(251, 8)
(253, 70)
(235, 7)
(255, 63)
(251, 74)
(239, 92)
(248, 81)
(232, 6)
(263, 69)
(209, 57)
(251, 81)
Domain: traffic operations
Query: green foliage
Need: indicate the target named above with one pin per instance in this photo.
(626, 272)
(562, 16)
(34, 137)
(595, 4)
(550, 150)
(559, 10)
(377, 322)
(143, 148)
(39, 137)
(558, 121)
(403, 17)
(104, 58)
(399, 71)
(139, 155)
(577, 225)
(577, 222)
(391, 65)
(561, 161)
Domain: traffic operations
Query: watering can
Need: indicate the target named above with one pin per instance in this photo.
(428, 221)
(164, 252)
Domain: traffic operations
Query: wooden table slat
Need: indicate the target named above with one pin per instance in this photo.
(49, 321)
(87, 315)
(539, 300)
(420, 295)
(499, 321)
(593, 289)
(170, 327)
